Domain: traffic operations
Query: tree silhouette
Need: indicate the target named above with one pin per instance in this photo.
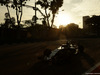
(54, 7)
(71, 30)
(7, 15)
(34, 19)
(28, 23)
(17, 5)
(45, 4)
(13, 22)
(9, 22)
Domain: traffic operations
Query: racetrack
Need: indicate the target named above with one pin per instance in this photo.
(18, 58)
(22, 59)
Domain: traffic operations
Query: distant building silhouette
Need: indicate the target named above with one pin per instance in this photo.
(84, 24)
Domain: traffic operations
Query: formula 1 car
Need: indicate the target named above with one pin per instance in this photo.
(63, 53)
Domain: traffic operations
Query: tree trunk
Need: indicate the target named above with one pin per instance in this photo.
(21, 13)
(9, 15)
(17, 15)
(47, 18)
(52, 20)
(18, 29)
(8, 12)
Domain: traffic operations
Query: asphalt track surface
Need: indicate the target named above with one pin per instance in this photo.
(22, 59)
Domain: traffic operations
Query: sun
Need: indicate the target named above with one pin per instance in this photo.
(62, 19)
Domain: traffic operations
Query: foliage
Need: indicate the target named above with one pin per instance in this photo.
(9, 22)
(28, 23)
(52, 5)
(55, 5)
(15, 4)
(45, 4)
(70, 31)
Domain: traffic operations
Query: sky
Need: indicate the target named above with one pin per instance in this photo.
(73, 12)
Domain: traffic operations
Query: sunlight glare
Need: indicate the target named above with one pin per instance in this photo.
(63, 19)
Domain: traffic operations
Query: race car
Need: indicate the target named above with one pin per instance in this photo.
(63, 53)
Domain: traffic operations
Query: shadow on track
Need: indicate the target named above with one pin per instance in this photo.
(73, 67)
(88, 59)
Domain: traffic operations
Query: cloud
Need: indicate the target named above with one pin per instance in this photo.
(73, 1)
(79, 8)
(76, 1)
(87, 7)
(70, 5)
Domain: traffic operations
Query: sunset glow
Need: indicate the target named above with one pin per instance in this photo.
(63, 19)
(76, 8)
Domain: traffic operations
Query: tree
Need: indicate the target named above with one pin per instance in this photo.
(45, 4)
(34, 19)
(17, 5)
(6, 2)
(28, 23)
(13, 21)
(71, 30)
(9, 22)
(54, 7)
